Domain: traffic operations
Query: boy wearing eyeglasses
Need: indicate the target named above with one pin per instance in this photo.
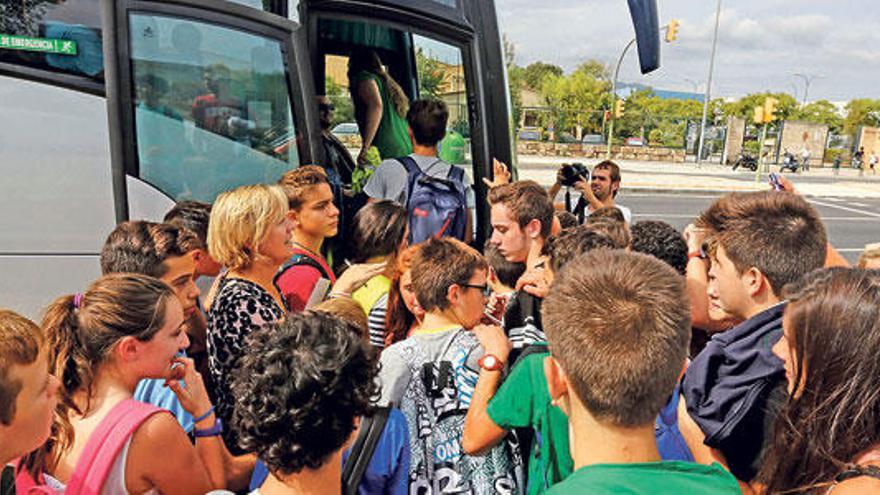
(431, 375)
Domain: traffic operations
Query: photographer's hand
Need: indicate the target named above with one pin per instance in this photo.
(554, 189)
(587, 191)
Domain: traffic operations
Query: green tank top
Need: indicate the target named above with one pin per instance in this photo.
(392, 139)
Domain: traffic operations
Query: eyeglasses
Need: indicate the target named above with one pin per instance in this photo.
(485, 289)
(324, 107)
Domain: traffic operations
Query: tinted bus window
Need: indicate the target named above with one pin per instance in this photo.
(62, 37)
(212, 107)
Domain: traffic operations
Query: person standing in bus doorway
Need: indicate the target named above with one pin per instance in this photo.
(380, 106)
(339, 166)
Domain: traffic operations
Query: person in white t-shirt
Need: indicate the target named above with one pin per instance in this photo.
(602, 190)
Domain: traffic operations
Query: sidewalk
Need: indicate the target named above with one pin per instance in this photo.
(710, 178)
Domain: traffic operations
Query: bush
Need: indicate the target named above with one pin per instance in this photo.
(832, 153)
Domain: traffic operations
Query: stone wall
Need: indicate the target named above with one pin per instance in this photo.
(595, 151)
(799, 135)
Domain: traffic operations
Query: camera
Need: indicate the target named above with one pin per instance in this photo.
(574, 172)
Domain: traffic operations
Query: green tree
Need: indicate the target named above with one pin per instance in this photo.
(576, 99)
(535, 73)
(821, 112)
(744, 107)
(338, 94)
(430, 75)
(859, 112)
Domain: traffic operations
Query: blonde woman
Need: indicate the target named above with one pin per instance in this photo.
(250, 234)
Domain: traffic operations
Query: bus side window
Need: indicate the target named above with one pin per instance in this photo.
(440, 72)
(59, 37)
(212, 107)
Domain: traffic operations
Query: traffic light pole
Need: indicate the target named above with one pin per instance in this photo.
(760, 166)
(614, 97)
(708, 84)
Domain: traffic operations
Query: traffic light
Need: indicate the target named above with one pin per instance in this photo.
(618, 109)
(758, 117)
(672, 31)
(770, 109)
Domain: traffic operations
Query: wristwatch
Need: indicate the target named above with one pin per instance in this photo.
(213, 431)
(490, 362)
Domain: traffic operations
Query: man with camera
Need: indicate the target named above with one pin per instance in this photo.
(598, 189)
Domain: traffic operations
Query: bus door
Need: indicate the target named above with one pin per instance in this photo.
(203, 96)
(446, 49)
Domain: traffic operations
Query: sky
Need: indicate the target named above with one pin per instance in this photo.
(761, 43)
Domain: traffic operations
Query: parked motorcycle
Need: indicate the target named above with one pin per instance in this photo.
(746, 160)
(789, 162)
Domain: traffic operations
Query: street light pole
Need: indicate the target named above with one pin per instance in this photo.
(808, 78)
(614, 96)
(709, 82)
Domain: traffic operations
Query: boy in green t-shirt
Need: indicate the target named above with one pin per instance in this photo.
(523, 400)
(618, 326)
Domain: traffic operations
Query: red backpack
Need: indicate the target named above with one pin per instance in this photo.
(100, 453)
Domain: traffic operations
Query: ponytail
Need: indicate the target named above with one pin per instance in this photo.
(81, 331)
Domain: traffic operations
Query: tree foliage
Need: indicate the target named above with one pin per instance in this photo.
(821, 112)
(859, 112)
(338, 94)
(430, 75)
(535, 73)
(576, 99)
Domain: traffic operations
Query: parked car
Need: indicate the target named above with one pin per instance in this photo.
(566, 138)
(593, 139)
(529, 135)
(634, 141)
(345, 129)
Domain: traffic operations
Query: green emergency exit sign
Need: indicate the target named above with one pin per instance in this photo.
(44, 45)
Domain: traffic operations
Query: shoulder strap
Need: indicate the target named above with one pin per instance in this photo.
(363, 449)
(455, 173)
(409, 164)
(105, 444)
(536, 348)
(301, 259)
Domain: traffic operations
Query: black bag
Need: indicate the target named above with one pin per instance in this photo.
(363, 449)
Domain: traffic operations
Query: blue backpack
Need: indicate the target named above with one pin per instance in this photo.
(436, 207)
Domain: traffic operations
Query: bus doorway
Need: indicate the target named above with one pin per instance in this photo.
(432, 50)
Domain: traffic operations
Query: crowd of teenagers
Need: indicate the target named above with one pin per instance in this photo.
(572, 353)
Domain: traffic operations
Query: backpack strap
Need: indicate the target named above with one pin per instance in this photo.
(363, 449)
(25, 484)
(535, 348)
(104, 445)
(302, 259)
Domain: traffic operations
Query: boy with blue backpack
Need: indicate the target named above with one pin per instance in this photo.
(438, 197)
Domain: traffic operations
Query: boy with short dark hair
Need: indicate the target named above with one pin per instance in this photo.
(611, 390)
(503, 275)
(430, 376)
(523, 401)
(194, 216)
(426, 119)
(758, 243)
(163, 251)
(662, 241)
